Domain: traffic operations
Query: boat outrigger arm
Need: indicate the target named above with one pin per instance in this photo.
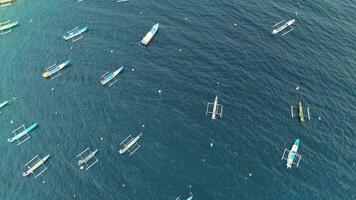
(291, 155)
(300, 112)
(214, 109)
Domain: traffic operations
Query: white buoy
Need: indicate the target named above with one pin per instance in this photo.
(111, 51)
(297, 88)
(235, 24)
(56, 112)
(160, 91)
(180, 49)
(58, 144)
(211, 144)
(74, 195)
(141, 12)
(186, 18)
(52, 89)
(190, 186)
(71, 47)
(43, 182)
(81, 167)
(133, 69)
(319, 118)
(101, 138)
(12, 121)
(123, 185)
(250, 174)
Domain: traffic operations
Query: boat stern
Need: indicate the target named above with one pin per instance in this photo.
(46, 74)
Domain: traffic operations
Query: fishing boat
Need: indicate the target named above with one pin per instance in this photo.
(54, 69)
(22, 133)
(131, 143)
(5, 27)
(40, 162)
(87, 158)
(286, 25)
(75, 33)
(291, 155)
(3, 104)
(214, 109)
(149, 36)
(300, 110)
(190, 198)
(4, 3)
(109, 76)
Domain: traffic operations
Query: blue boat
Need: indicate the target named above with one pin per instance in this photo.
(23, 133)
(149, 36)
(74, 33)
(107, 77)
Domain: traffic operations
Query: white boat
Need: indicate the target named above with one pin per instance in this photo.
(87, 158)
(214, 108)
(109, 76)
(291, 155)
(130, 144)
(3, 104)
(149, 36)
(32, 169)
(285, 25)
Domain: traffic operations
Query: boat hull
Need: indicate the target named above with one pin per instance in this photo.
(292, 154)
(3, 104)
(150, 35)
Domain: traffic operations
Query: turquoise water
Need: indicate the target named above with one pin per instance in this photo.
(197, 46)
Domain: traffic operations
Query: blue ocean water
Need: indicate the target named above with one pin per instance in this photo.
(198, 45)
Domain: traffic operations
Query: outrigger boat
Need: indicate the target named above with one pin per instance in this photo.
(190, 198)
(4, 3)
(39, 162)
(75, 34)
(291, 155)
(300, 112)
(5, 27)
(149, 36)
(54, 69)
(85, 157)
(287, 24)
(214, 109)
(109, 76)
(130, 144)
(3, 104)
(23, 135)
